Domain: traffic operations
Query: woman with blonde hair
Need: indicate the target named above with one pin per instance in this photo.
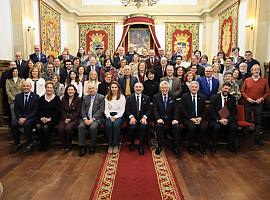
(59, 88)
(40, 66)
(37, 83)
(93, 78)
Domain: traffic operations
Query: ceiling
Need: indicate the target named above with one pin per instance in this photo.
(114, 7)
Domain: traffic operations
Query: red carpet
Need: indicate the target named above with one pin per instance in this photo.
(129, 176)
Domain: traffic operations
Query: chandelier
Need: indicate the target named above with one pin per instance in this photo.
(139, 3)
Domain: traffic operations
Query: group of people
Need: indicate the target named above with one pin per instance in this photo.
(84, 91)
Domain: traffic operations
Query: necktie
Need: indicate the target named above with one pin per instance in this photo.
(91, 108)
(210, 84)
(194, 105)
(92, 68)
(19, 64)
(165, 102)
(225, 101)
(138, 104)
(35, 86)
(152, 61)
(57, 71)
(25, 100)
(127, 91)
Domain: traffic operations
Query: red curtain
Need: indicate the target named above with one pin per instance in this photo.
(139, 20)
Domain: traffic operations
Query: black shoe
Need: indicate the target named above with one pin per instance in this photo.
(231, 148)
(15, 148)
(92, 150)
(158, 150)
(132, 148)
(176, 150)
(190, 150)
(28, 149)
(82, 151)
(203, 150)
(141, 151)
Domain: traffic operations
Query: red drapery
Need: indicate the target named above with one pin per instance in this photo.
(139, 20)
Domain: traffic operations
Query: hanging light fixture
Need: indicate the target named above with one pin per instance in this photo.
(139, 3)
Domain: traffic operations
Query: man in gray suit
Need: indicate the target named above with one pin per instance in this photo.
(92, 112)
(175, 83)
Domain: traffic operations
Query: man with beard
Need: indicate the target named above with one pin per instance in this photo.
(222, 117)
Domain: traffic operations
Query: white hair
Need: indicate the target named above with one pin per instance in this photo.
(194, 83)
(163, 83)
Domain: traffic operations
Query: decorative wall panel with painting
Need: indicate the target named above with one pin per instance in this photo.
(184, 34)
(228, 28)
(93, 34)
(50, 29)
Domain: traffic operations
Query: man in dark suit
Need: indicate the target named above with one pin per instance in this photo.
(152, 61)
(121, 55)
(38, 56)
(137, 110)
(25, 108)
(237, 59)
(220, 120)
(161, 69)
(21, 65)
(200, 69)
(175, 83)
(164, 106)
(127, 82)
(69, 56)
(193, 116)
(92, 112)
(93, 66)
(208, 84)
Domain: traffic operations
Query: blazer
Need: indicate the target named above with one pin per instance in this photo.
(72, 111)
(159, 108)
(30, 111)
(204, 87)
(63, 75)
(185, 109)
(22, 69)
(12, 88)
(116, 61)
(103, 88)
(216, 105)
(34, 57)
(97, 109)
(122, 82)
(176, 86)
(131, 106)
(152, 65)
(158, 71)
(40, 86)
(88, 69)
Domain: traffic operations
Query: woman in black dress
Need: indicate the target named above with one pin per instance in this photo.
(48, 115)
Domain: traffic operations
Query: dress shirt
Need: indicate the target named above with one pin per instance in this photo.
(209, 81)
(223, 100)
(90, 111)
(114, 105)
(196, 102)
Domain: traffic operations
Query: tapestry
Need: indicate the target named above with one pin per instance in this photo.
(184, 34)
(228, 21)
(93, 34)
(50, 30)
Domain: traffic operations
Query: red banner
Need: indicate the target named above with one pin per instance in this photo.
(183, 38)
(94, 38)
(226, 35)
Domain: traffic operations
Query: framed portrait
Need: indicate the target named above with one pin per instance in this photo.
(139, 38)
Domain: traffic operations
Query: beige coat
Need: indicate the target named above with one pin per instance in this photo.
(13, 88)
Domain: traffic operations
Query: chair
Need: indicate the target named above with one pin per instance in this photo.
(240, 118)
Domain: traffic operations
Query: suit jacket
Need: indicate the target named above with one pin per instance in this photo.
(122, 82)
(63, 75)
(72, 111)
(12, 88)
(88, 69)
(34, 57)
(131, 106)
(152, 65)
(239, 61)
(116, 61)
(176, 86)
(159, 108)
(216, 105)
(97, 109)
(204, 87)
(22, 69)
(184, 109)
(30, 111)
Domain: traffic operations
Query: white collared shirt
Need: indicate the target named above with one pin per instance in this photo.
(140, 100)
(223, 100)
(196, 102)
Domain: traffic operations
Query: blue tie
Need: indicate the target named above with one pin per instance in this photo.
(165, 102)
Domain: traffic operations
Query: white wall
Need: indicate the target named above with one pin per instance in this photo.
(118, 34)
(242, 18)
(6, 38)
(160, 32)
(36, 22)
(215, 28)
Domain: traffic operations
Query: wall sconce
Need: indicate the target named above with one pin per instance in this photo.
(29, 28)
(250, 24)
